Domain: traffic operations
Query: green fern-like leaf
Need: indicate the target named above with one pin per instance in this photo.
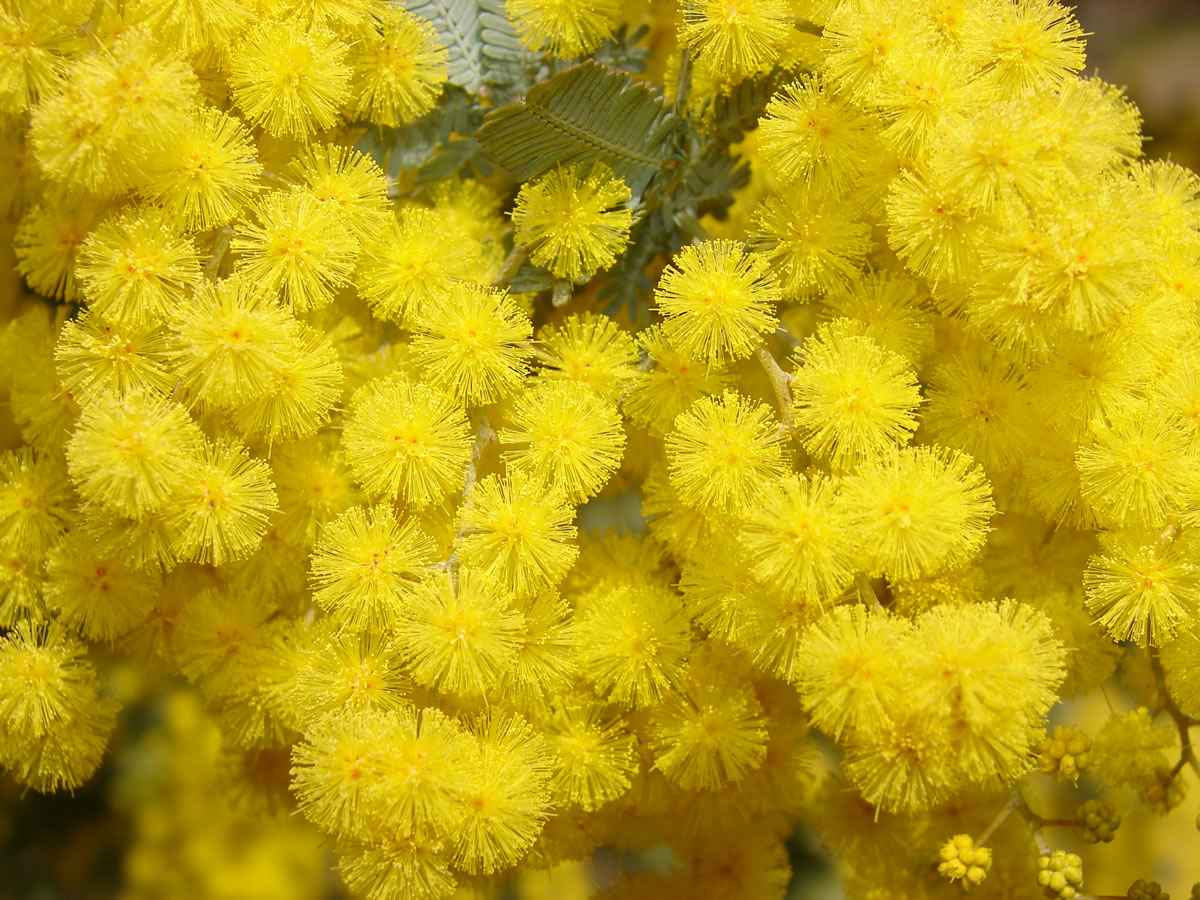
(587, 113)
(457, 25)
(481, 46)
(509, 66)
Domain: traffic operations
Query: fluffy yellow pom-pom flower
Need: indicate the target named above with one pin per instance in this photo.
(736, 38)
(591, 350)
(563, 434)
(811, 135)
(634, 643)
(724, 453)
(919, 510)
(473, 343)
(299, 246)
(854, 399)
(399, 69)
(231, 342)
(594, 752)
(848, 669)
(811, 245)
(206, 172)
(1142, 587)
(132, 455)
(418, 259)
(289, 78)
(408, 441)
(220, 511)
(518, 532)
(573, 220)
(563, 28)
(676, 381)
(717, 300)
(135, 267)
(798, 539)
(459, 633)
(366, 563)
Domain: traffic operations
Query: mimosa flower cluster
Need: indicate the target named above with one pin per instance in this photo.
(306, 425)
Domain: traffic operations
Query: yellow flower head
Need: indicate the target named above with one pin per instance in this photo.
(812, 136)
(718, 301)
(231, 342)
(854, 399)
(407, 441)
(849, 669)
(206, 172)
(590, 350)
(919, 510)
(573, 220)
(29, 63)
(507, 795)
(563, 28)
(290, 78)
(349, 183)
(798, 540)
(132, 455)
(96, 593)
(810, 244)
(94, 357)
(709, 736)
(1141, 588)
(676, 381)
(518, 532)
(135, 267)
(301, 395)
(634, 642)
(474, 344)
(416, 261)
(736, 37)
(460, 633)
(593, 749)
(299, 246)
(399, 69)
(565, 435)
(724, 453)
(47, 244)
(118, 106)
(1030, 45)
(220, 512)
(366, 563)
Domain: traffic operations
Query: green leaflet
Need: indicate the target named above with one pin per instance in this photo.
(482, 47)
(589, 112)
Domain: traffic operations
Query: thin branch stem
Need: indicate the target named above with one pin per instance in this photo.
(1001, 817)
(484, 435)
(781, 381)
(213, 266)
(1183, 723)
(684, 83)
(1034, 821)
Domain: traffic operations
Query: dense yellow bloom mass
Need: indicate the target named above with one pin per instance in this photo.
(559, 447)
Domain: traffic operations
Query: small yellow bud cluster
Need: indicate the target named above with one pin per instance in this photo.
(1098, 822)
(963, 861)
(1060, 874)
(1162, 791)
(1149, 890)
(1064, 755)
